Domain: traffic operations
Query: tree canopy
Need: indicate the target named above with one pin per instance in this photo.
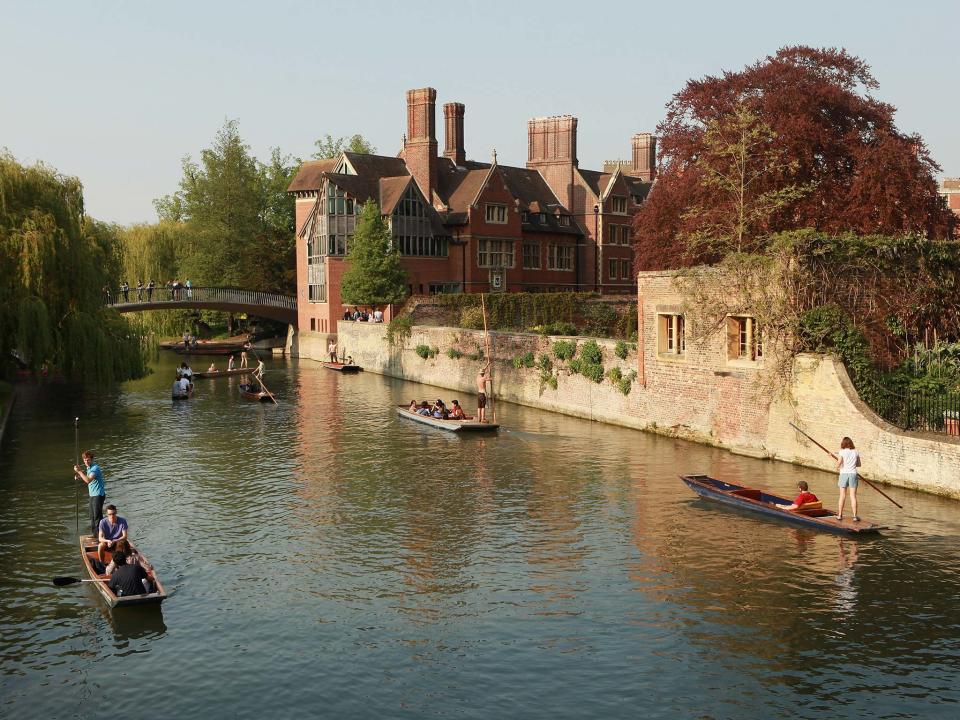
(56, 262)
(374, 275)
(825, 134)
(327, 147)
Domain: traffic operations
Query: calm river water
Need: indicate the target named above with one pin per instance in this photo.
(325, 557)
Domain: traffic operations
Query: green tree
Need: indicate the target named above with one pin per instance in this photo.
(330, 148)
(374, 276)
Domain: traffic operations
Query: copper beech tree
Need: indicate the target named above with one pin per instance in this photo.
(827, 156)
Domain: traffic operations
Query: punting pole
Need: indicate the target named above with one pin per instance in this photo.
(76, 454)
(835, 457)
(486, 337)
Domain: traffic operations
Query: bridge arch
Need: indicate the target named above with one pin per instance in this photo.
(282, 308)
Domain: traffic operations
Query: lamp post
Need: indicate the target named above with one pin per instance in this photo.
(599, 253)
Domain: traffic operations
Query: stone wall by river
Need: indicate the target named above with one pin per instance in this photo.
(716, 408)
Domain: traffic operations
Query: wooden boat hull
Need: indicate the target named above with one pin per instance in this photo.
(224, 373)
(260, 396)
(765, 504)
(88, 551)
(181, 397)
(340, 367)
(457, 426)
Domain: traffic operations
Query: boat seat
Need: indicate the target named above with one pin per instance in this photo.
(814, 509)
(749, 493)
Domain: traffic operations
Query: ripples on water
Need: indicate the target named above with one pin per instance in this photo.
(326, 557)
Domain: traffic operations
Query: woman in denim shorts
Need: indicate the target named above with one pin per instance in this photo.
(848, 460)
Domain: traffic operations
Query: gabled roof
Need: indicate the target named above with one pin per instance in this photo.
(359, 187)
(376, 165)
(458, 186)
(391, 190)
(638, 187)
(310, 174)
(595, 180)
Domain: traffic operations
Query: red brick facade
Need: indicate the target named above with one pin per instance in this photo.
(467, 226)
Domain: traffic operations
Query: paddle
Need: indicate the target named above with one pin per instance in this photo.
(62, 581)
(835, 458)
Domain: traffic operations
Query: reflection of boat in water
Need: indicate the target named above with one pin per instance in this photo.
(182, 396)
(466, 425)
(88, 550)
(811, 515)
(137, 622)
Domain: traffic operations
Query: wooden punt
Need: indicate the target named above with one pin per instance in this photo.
(342, 367)
(811, 515)
(468, 425)
(178, 396)
(223, 373)
(88, 551)
(257, 396)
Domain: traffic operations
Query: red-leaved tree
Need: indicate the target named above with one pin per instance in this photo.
(859, 172)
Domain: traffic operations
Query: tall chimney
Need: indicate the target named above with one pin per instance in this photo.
(421, 149)
(453, 132)
(644, 156)
(552, 150)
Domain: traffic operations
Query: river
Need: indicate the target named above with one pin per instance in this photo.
(325, 557)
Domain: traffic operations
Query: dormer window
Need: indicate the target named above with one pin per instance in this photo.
(564, 220)
(525, 216)
(618, 205)
(496, 214)
(542, 218)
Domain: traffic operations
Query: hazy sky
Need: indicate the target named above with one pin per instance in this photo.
(117, 93)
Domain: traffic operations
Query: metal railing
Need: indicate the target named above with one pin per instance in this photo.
(233, 296)
(917, 410)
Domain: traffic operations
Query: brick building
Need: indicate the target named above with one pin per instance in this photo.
(950, 190)
(468, 226)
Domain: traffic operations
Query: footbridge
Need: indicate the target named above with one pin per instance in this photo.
(262, 304)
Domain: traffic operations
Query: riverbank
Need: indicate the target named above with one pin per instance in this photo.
(644, 390)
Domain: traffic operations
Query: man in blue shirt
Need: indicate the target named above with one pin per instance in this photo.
(92, 475)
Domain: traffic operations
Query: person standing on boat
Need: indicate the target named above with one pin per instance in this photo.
(112, 529)
(243, 354)
(93, 477)
(848, 460)
(231, 363)
(332, 350)
(482, 394)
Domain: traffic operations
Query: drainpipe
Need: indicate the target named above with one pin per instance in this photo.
(599, 255)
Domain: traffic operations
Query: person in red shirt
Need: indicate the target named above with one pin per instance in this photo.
(804, 497)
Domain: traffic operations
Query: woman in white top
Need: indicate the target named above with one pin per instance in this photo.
(848, 460)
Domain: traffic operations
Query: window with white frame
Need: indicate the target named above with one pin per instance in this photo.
(496, 214)
(559, 257)
(618, 204)
(671, 334)
(495, 253)
(744, 339)
(531, 256)
(564, 220)
(612, 268)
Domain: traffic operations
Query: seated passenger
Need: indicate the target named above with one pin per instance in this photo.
(111, 529)
(127, 579)
(803, 498)
(413, 406)
(456, 412)
(124, 549)
(424, 409)
(212, 368)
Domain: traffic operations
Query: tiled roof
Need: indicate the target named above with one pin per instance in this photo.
(359, 187)
(638, 187)
(458, 187)
(391, 190)
(595, 180)
(310, 175)
(377, 165)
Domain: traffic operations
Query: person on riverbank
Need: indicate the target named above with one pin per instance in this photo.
(111, 529)
(378, 315)
(803, 498)
(93, 477)
(332, 350)
(482, 394)
(848, 460)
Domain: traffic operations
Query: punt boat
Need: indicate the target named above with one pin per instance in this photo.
(810, 515)
(342, 367)
(223, 373)
(88, 550)
(260, 395)
(466, 425)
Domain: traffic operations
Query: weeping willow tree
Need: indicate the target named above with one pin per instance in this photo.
(55, 263)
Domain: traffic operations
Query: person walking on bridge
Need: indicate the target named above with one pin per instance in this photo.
(125, 289)
(139, 290)
(150, 286)
(189, 288)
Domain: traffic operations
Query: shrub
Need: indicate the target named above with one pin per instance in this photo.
(425, 351)
(600, 320)
(552, 381)
(565, 349)
(471, 317)
(615, 374)
(621, 350)
(575, 365)
(559, 327)
(454, 354)
(592, 371)
(625, 386)
(545, 363)
(632, 375)
(399, 330)
(591, 353)
(525, 360)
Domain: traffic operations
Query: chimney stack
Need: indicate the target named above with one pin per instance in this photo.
(644, 156)
(552, 151)
(453, 132)
(421, 148)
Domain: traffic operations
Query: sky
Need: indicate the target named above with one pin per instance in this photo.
(118, 93)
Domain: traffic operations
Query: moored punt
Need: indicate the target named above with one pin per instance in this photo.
(223, 373)
(342, 367)
(256, 395)
(810, 515)
(467, 425)
(88, 551)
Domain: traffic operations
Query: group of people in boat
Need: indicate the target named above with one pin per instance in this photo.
(438, 409)
(127, 570)
(848, 460)
(183, 385)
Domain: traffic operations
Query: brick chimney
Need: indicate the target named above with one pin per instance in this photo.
(421, 149)
(453, 132)
(552, 150)
(644, 156)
